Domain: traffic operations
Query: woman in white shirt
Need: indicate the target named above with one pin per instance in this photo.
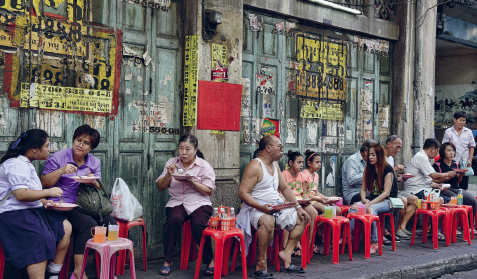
(30, 235)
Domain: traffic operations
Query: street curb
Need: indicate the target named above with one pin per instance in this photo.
(431, 269)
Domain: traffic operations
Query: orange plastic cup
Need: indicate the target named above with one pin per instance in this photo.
(99, 234)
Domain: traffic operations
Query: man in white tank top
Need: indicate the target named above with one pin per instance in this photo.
(259, 187)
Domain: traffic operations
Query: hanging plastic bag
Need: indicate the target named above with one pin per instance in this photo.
(125, 206)
(470, 171)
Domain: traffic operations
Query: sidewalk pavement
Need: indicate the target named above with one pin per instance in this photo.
(418, 261)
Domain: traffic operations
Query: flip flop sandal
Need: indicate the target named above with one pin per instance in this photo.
(386, 241)
(209, 271)
(441, 237)
(458, 233)
(292, 269)
(262, 274)
(317, 250)
(297, 252)
(164, 269)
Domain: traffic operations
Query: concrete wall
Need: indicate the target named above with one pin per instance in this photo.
(456, 69)
(220, 150)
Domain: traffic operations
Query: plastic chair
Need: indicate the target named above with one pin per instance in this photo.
(366, 220)
(107, 250)
(382, 217)
(188, 245)
(344, 209)
(220, 238)
(435, 223)
(336, 223)
(124, 232)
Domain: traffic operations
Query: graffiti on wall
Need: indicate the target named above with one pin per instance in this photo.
(452, 98)
(59, 51)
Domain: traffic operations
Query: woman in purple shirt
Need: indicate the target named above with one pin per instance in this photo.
(59, 170)
(30, 235)
(189, 200)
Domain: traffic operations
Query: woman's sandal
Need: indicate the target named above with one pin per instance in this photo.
(373, 249)
(297, 252)
(165, 270)
(317, 250)
(441, 237)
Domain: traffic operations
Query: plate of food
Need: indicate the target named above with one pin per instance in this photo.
(460, 170)
(406, 175)
(284, 206)
(85, 179)
(63, 206)
(183, 177)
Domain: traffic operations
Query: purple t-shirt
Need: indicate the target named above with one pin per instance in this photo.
(66, 183)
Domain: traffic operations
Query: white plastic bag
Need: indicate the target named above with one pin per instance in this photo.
(125, 205)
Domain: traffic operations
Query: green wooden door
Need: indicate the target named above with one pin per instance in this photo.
(274, 55)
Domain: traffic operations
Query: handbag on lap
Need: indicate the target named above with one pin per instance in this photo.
(92, 201)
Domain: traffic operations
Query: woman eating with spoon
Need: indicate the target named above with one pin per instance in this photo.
(61, 169)
(190, 181)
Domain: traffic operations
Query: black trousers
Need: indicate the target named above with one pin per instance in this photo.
(82, 224)
(176, 216)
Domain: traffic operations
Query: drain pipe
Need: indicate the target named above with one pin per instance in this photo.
(417, 84)
(336, 6)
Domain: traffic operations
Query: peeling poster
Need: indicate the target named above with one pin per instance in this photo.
(383, 120)
(246, 135)
(291, 131)
(255, 23)
(267, 106)
(246, 109)
(365, 130)
(151, 114)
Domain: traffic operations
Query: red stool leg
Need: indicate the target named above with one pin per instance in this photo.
(199, 258)
(367, 240)
(225, 262)
(304, 247)
(454, 228)
(435, 228)
(327, 235)
(219, 250)
(414, 228)
(393, 233)
(131, 263)
(121, 254)
(186, 239)
(98, 264)
(380, 237)
(356, 234)
(471, 223)
(345, 235)
(279, 235)
(348, 229)
(244, 260)
(336, 244)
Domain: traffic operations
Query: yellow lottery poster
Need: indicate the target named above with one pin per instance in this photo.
(190, 81)
(321, 110)
(12, 5)
(65, 98)
(326, 79)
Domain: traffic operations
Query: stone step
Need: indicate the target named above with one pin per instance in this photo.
(474, 193)
(472, 187)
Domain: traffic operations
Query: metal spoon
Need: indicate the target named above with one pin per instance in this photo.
(61, 200)
(179, 170)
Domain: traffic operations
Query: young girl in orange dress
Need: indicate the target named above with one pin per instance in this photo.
(295, 179)
(311, 182)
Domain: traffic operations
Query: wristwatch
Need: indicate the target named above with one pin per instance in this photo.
(298, 206)
(193, 184)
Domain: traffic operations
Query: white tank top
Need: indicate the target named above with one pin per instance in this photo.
(267, 189)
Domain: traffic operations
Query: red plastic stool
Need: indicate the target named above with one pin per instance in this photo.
(382, 217)
(344, 209)
(435, 223)
(335, 223)
(188, 245)
(123, 232)
(366, 220)
(107, 250)
(452, 215)
(471, 219)
(220, 238)
(252, 249)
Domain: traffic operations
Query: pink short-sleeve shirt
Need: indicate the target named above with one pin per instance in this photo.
(313, 181)
(182, 192)
(296, 184)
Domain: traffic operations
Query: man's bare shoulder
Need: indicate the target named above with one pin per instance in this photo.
(254, 166)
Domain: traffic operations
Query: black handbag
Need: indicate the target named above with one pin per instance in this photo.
(93, 202)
